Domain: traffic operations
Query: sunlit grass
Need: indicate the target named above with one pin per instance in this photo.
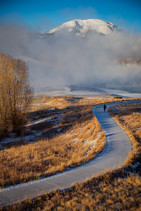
(101, 193)
(114, 190)
(81, 139)
(129, 118)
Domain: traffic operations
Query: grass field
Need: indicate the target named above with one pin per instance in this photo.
(101, 193)
(114, 190)
(129, 118)
(70, 136)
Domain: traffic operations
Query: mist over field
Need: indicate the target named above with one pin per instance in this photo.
(66, 59)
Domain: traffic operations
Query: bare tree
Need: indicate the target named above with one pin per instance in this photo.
(15, 94)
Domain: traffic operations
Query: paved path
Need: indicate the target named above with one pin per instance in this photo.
(116, 151)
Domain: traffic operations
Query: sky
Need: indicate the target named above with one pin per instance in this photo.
(46, 14)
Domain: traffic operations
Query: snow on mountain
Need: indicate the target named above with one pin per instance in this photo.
(82, 27)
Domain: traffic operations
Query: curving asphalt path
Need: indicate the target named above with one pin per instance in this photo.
(115, 152)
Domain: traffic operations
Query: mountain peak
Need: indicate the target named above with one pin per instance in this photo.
(82, 27)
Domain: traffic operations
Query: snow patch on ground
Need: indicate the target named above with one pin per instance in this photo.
(25, 139)
(136, 165)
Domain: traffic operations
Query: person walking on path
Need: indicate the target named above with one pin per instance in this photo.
(104, 107)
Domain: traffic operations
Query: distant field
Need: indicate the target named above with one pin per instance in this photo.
(68, 135)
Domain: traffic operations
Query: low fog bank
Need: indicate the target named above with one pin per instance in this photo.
(65, 59)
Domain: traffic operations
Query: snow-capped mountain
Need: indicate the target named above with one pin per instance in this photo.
(83, 27)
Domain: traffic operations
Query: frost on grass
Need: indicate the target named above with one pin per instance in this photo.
(114, 190)
(55, 149)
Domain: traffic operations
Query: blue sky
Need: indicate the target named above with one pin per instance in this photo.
(46, 14)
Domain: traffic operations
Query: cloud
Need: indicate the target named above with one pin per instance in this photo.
(14, 39)
(66, 59)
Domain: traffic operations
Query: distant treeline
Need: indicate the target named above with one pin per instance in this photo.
(130, 60)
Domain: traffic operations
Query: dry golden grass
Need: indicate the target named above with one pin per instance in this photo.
(101, 193)
(45, 157)
(81, 139)
(114, 190)
(129, 118)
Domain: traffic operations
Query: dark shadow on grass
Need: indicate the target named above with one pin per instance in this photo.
(58, 121)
